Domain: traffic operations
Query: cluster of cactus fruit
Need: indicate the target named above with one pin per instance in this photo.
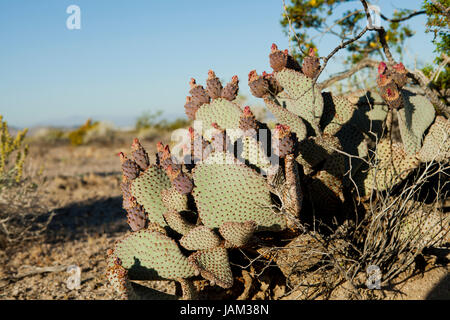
(237, 177)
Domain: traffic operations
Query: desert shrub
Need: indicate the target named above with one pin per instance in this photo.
(50, 136)
(101, 132)
(147, 120)
(12, 154)
(22, 217)
(77, 137)
(153, 120)
(149, 134)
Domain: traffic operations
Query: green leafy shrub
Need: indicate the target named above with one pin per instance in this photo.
(11, 146)
(77, 137)
(153, 120)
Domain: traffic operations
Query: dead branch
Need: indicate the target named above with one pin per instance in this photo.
(365, 63)
(413, 14)
(335, 50)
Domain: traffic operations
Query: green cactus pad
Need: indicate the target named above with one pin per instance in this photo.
(173, 200)
(416, 116)
(288, 118)
(369, 120)
(237, 234)
(337, 111)
(315, 150)
(118, 278)
(233, 193)
(176, 221)
(254, 153)
(394, 165)
(223, 112)
(147, 190)
(127, 290)
(214, 266)
(425, 227)
(188, 289)
(326, 188)
(149, 255)
(156, 227)
(436, 145)
(200, 238)
(353, 141)
(300, 97)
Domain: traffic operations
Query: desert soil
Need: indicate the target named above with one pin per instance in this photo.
(80, 185)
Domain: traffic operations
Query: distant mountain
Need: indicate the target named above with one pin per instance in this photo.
(121, 121)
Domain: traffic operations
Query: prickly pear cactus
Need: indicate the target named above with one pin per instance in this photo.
(416, 116)
(242, 178)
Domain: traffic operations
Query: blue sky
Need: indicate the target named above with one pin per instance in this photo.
(138, 55)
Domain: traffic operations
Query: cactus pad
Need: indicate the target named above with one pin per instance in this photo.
(233, 193)
(221, 111)
(140, 155)
(425, 227)
(118, 278)
(414, 119)
(176, 221)
(151, 255)
(200, 238)
(237, 234)
(214, 266)
(300, 96)
(147, 190)
(136, 216)
(253, 152)
(394, 165)
(288, 118)
(173, 200)
(436, 145)
(337, 112)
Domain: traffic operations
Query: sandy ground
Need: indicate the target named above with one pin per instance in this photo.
(81, 187)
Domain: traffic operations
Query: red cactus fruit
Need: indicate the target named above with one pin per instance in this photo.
(213, 85)
(247, 121)
(231, 89)
(274, 86)
(392, 96)
(191, 107)
(130, 169)
(198, 93)
(140, 155)
(400, 74)
(259, 86)
(286, 141)
(182, 183)
(311, 64)
(278, 59)
(382, 68)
